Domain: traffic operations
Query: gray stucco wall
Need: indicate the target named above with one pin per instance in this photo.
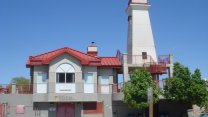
(120, 109)
(106, 72)
(64, 58)
(40, 109)
(16, 99)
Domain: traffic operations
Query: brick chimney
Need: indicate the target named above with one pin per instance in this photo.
(92, 49)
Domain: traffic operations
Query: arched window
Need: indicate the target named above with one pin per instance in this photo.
(65, 73)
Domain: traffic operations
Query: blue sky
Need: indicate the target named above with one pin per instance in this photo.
(30, 27)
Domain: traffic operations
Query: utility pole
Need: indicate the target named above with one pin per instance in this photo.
(150, 101)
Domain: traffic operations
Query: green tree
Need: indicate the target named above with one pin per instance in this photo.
(197, 74)
(22, 84)
(186, 87)
(20, 80)
(135, 91)
(180, 71)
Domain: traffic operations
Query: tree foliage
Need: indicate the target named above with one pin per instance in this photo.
(20, 80)
(135, 91)
(186, 87)
(197, 74)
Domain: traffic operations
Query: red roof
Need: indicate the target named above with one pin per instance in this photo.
(110, 61)
(85, 59)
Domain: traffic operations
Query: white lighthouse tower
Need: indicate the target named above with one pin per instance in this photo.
(140, 45)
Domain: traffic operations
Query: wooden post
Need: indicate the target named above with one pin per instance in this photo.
(150, 100)
(151, 108)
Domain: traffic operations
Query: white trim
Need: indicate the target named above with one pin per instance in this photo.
(65, 68)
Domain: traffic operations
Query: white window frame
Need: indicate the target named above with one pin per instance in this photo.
(65, 68)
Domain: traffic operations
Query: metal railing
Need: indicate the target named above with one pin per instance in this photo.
(4, 89)
(79, 88)
(19, 88)
(164, 59)
(157, 68)
(139, 59)
(148, 62)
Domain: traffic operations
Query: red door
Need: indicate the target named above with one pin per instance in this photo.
(65, 110)
(1, 110)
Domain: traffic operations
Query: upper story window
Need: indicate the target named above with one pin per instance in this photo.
(144, 55)
(65, 73)
(42, 77)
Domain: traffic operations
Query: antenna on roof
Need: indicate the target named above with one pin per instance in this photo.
(92, 43)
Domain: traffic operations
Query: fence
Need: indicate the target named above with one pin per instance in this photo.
(79, 88)
(19, 88)
(164, 59)
(63, 87)
(139, 59)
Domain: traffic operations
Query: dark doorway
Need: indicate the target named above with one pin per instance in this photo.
(65, 110)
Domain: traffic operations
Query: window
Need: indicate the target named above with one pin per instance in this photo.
(65, 78)
(69, 78)
(144, 55)
(105, 80)
(88, 78)
(60, 77)
(42, 77)
(65, 74)
(92, 107)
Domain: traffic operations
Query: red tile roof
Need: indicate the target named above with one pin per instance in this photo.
(110, 61)
(85, 59)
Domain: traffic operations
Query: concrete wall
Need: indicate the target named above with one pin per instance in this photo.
(48, 109)
(121, 110)
(91, 69)
(106, 72)
(107, 103)
(16, 99)
(65, 58)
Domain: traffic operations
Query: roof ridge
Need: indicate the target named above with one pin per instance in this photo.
(85, 53)
(63, 49)
(49, 52)
(108, 57)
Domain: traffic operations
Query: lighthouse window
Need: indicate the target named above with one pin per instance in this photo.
(144, 55)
